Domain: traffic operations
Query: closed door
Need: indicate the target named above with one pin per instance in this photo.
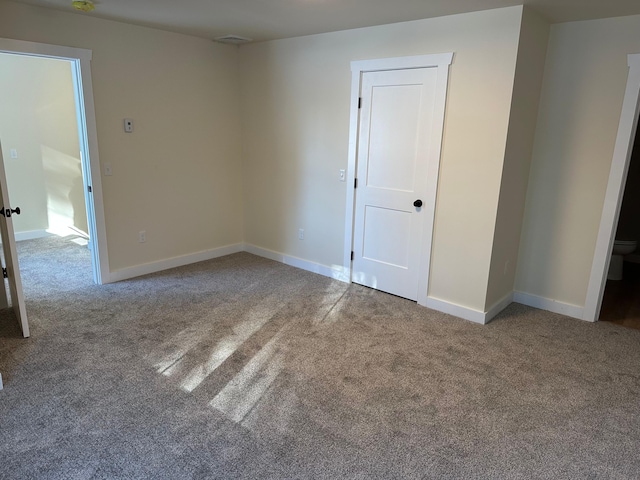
(10, 253)
(396, 118)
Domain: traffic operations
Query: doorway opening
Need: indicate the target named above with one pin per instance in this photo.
(621, 301)
(39, 131)
(622, 154)
(69, 168)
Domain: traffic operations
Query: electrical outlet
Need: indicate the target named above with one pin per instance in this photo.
(301, 234)
(142, 236)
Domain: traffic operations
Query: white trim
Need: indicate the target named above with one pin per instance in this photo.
(497, 307)
(615, 191)
(153, 267)
(442, 62)
(433, 166)
(336, 272)
(8, 45)
(81, 66)
(351, 172)
(97, 224)
(465, 313)
(31, 234)
(401, 63)
(549, 304)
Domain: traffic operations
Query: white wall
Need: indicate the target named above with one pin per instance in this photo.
(179, 175)
(38, 120)
(580, 106)
(295, 114)
(532, 47)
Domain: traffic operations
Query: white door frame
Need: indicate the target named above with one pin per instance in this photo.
(441, 62)
(615, 191)
(81, 71)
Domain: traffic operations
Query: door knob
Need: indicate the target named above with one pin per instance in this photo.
(417, 203)
(6, 212)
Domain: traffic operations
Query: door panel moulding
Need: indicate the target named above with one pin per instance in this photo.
(615, 191)
(80, 60)
(442, 63)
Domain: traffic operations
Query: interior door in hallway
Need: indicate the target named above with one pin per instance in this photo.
(396, 117)
(10, 252)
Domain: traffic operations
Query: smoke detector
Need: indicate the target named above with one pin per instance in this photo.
(83, 5)
(233, 39)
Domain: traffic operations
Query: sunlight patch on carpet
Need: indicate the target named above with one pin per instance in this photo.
(242, 394)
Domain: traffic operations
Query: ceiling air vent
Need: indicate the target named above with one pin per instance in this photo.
(233, 39)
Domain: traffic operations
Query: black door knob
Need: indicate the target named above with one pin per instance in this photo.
(6, 212)
(417, 203)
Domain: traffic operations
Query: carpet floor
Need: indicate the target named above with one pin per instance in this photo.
(241, 367)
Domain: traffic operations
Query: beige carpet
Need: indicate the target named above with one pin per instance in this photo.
(241, 367)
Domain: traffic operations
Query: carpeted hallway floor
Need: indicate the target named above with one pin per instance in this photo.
(241, 367)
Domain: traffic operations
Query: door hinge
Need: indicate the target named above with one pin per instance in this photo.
(355, 183)
(89, 188)
(352, 255)
(4, 273)
(359, 102)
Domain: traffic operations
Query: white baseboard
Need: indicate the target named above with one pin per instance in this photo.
(465, 313)
(31, 234)
(339, 273)
(548, 304)
(336, 272)
(497, 307)
(153, 267)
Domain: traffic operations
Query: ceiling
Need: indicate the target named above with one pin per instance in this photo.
(271, 19)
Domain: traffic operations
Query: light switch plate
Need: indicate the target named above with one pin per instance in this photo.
(128, 125)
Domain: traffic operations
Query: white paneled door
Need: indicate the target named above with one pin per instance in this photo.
(10, 252)
(395, 130)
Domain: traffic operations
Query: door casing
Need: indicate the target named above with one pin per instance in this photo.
(615, 191)
(81, 70)
(441, 62)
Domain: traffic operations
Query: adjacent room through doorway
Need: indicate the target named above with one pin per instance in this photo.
(41, 146)
(621, 302)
